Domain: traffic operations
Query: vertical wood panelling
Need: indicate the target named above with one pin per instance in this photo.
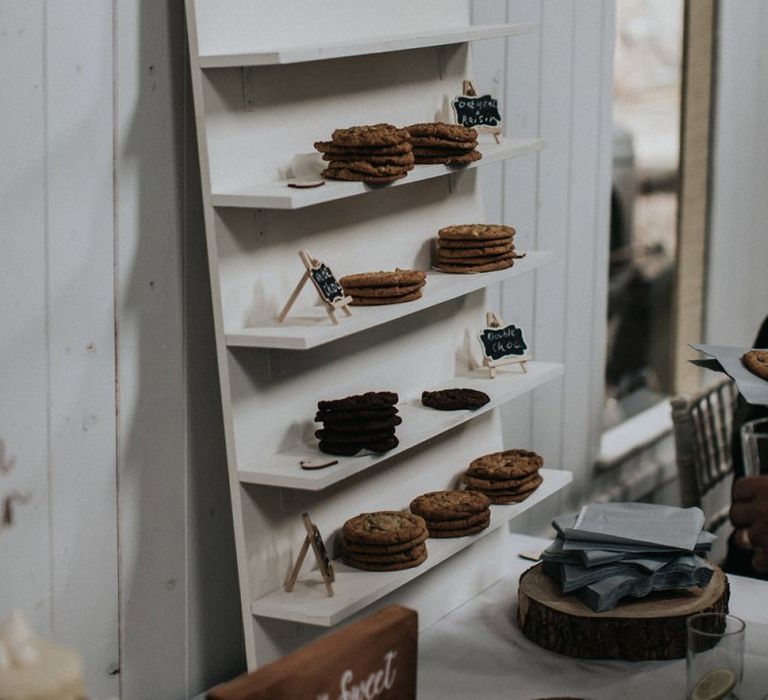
(555, 94)
(26, 583)
(601, 239)
(737, 286)
(586, 144)
(152, 390)
(78, 39)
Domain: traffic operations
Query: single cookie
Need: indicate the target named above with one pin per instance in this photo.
(474, 244)
(509, 464)
(427, 151)
(460, 523)
(461, 253)
(462, 532)
(526, 488)
(334, 438)
(449, 160)
(381, 301)
(474, 262)
(394, 566)
(453, 132)
(476, 232)
(756, 361)
(358, 548)
(444, 144)
(384, 445)
(352, 176)
(449, 505)
(469, 269)
(362, 166)
(454, 399)
(369, 135)
(375, 414)
(366, 402)
(351, 449)
(330, 148)
(508, 500)
(383, 527)
(394, 291)
(382, 278)
(405, 159)
(391, 558)
(363, 426)
(485, 485)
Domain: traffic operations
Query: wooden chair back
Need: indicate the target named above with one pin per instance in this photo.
(702, 428)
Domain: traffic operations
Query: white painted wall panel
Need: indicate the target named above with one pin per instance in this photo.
(737, 284)
(79, 122)
(24, 385)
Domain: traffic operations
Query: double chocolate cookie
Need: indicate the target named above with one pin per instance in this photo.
(361, 422)
(376, 154)
(454, 399)
(384, 287)
(469, 248)
(453, 513)
(384, 541)
(437, 142)
(505, 477)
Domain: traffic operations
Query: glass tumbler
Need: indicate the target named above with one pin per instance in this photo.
(715, 656)
(754, 445)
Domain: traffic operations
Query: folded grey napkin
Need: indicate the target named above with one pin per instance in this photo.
(682, 572)
(638, 523)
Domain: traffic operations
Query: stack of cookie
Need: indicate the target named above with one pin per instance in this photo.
(475, 248)
(387, 540)
(377, 154)
(362, 422)
(376, 288)
(505, 477)
(437, 142)
(453, 513)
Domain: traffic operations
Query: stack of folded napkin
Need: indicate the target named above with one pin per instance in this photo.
(609, 551)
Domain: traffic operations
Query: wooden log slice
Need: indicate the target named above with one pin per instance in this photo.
(638, 629)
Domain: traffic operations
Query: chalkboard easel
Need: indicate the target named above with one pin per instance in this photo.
(468, 91)
(328, 289)
(324, 563)
(493, 322)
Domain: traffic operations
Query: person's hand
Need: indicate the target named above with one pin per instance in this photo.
(749, 514)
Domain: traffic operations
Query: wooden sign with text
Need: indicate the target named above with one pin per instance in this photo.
(502, 345)
(327, 286)
(374, 659)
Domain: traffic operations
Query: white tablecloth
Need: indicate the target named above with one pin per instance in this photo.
(477, 653)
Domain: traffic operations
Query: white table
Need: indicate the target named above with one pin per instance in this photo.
(477, 652)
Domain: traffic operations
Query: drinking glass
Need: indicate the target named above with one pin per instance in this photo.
(754, 445)
(715, 656)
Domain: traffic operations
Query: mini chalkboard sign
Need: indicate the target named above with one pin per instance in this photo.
(313, 539)
(373, 658)
(480, 112)
(502, 344)
(327, 286)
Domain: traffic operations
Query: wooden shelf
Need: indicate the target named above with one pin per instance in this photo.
(419, 424)
(356, 589)
(309, 327)
(372, 45)
(277, 194)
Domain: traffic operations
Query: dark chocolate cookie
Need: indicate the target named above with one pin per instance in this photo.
(365, 402)
(454, 399)
(347, 416)
(359, 426)
(337, 438)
